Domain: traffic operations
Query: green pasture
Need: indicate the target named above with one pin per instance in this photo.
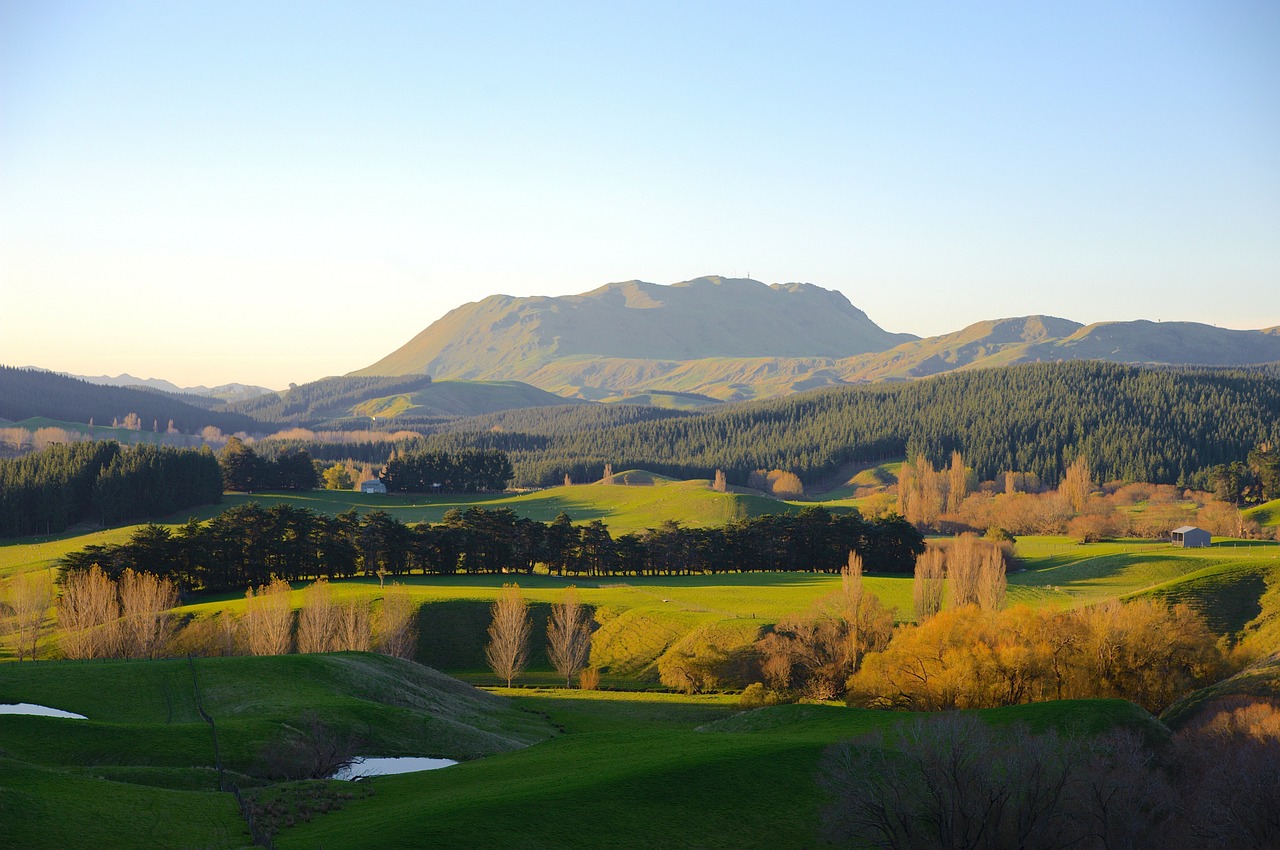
(636, 776)
(1266, 514)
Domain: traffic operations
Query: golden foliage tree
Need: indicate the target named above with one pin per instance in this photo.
(1077, 484)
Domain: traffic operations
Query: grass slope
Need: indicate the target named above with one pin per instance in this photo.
(641, 778)
(460, 398)
(1266, 514)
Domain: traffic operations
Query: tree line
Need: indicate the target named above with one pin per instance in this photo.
(248, 545)
(50, 490)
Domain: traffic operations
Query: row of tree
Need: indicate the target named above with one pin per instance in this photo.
(467, 471)
(45, 492)
(248, 545)
(98, 616)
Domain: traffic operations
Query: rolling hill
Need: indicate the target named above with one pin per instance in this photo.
(728, 339)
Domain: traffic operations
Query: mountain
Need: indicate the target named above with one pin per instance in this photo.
(633, 324)
(728, 339)
(1031, 339)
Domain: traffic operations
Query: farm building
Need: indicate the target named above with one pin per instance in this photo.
(1189, 537)
(373, 486)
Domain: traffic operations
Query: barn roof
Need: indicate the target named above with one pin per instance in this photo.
(1184, 529)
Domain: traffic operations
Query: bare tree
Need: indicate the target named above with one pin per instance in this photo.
(268, 619)
(317, 618)
(720, 484)
(928, 583)
(29, 595)
(355, 633)
(508, 648)
(957, 483)
(992, 581)
(607, 478)
(964, 561)
(396, 632)
(145, 602)
(88, 613)
(569, 635)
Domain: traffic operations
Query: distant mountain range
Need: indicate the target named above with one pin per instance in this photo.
(733, 339)
(222, 392)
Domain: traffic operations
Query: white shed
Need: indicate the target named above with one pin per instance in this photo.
(1189, 537)
(373, 485)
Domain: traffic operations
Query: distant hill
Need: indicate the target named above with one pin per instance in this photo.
(1027, 339)
(715, 339)
(394, 396)
(222, 392)
(27, 393)
(460, 398)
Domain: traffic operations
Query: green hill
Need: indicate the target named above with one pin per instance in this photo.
(459, 398)
(139, 772)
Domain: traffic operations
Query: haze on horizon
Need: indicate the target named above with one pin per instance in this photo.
(224, 192)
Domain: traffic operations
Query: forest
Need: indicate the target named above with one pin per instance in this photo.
(1162, 426)
(27, 393)
(249, 545)
(100, 482)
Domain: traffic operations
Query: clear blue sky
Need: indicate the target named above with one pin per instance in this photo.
(272, 192)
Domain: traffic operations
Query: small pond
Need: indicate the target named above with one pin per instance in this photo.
(40, 710)
(363, 767)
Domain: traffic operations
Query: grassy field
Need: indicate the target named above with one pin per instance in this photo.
(602, 768)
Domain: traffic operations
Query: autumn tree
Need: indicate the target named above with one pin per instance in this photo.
(1077, 484)
(607, 477)
(720, 484)
(397, 634)
(29, 596)
(146, 621)
(509, 630)
(317, 618)
(338, 477)
(569, 635)
(268, 619)
(88, 612)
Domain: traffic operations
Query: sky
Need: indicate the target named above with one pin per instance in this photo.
(210, 192)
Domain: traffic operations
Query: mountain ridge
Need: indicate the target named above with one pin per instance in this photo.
(735, 339)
